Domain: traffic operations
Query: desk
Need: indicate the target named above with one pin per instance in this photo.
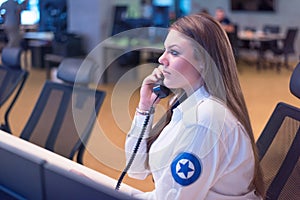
(48, 60)
(41, 43)
(26, 150)
(259, 42)
(122, 45)
(55, 47)
(259, 36)
(42, 36)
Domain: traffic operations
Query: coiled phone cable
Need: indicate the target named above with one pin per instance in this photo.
(137, 145)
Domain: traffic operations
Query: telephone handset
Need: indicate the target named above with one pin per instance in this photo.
(160, 90)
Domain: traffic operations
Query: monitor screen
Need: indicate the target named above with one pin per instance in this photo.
(162, 2)
(250, 5)
(161, 17)
(30, 16)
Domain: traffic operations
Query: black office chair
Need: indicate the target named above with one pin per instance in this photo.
(12, 80)
(65, 113)
(287, 48)
(279, 150)
(270, 29)
(119, 25)
(265, 46)
(234, 41)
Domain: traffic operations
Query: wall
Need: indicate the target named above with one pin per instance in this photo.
(286, 15)
(92, 19)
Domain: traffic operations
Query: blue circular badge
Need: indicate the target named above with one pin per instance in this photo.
(186, 168)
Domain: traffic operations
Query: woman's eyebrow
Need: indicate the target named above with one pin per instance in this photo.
(173, 45)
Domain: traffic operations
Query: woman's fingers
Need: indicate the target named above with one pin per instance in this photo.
(160, 67)
(146, 92)
(154, 77)
(158, 72)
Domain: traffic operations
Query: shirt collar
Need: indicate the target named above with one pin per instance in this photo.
(194, 99)
(187, 109)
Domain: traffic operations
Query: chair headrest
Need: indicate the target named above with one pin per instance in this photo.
(77, 70)
(11, 57)
(295, 81)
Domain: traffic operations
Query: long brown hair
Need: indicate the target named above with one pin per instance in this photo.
(209, 34)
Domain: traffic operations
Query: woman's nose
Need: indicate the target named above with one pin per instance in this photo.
(163, 59)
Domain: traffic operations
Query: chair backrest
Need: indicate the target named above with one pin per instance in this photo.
(279, 151)
(289, 41)
(234, 41)
(268, 28)
(12, 79)
(64, 115)
(119, 25)
(11, 73)
(295, 81)
(9, 82)
(11, 56)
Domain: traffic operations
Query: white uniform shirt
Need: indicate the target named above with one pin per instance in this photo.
(203, 153)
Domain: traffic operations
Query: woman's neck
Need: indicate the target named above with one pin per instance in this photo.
(189, 90)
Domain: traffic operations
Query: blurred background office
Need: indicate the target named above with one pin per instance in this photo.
(93, 20)
(56, 29)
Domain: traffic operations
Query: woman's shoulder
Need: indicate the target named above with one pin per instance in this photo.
(213, 114)
(201, 108)
(216, 116)
(214, 110)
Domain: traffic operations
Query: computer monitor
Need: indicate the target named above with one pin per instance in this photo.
(21, 173)
(30, 16)
(162, 2)
(161, 16)
(31, 172)
(64, 184)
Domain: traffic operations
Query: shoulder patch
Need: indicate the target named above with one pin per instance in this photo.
(186, 168)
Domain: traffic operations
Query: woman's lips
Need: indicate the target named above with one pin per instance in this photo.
(166, 72)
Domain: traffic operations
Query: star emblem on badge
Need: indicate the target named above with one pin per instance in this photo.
(186, 168)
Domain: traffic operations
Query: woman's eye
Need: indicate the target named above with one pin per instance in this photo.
(173, 52)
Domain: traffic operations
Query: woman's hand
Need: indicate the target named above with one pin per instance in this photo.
(146, 94)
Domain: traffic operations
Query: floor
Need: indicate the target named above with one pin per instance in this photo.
(262, 90)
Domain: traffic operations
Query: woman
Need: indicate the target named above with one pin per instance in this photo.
(204, 148)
